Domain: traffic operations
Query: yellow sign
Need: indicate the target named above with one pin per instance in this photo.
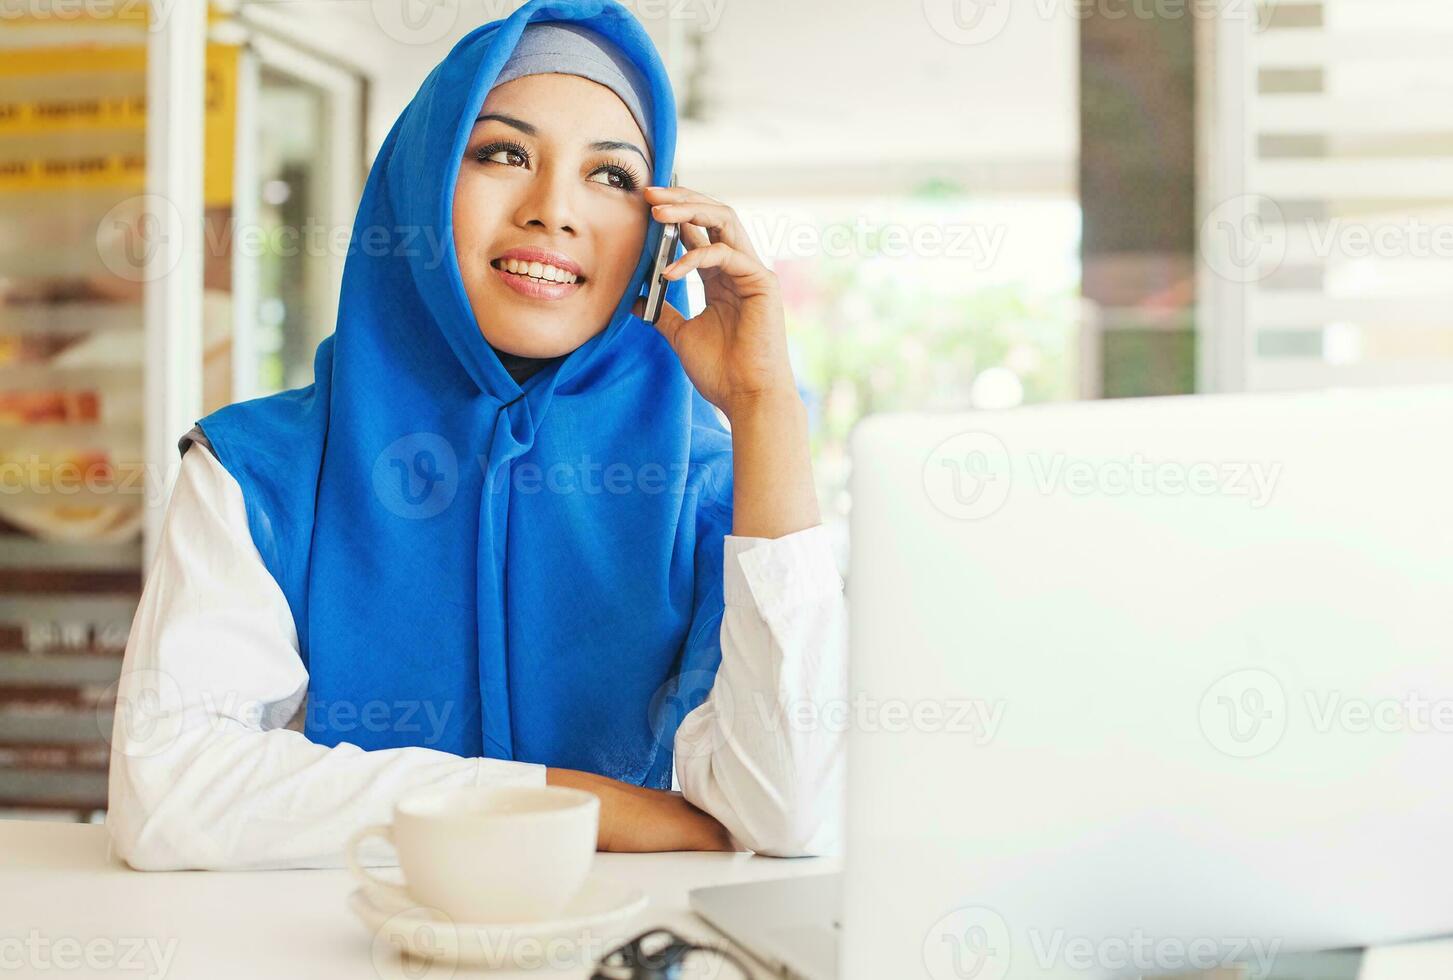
(105, 112)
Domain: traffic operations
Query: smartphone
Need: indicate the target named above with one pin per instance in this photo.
(656, 298)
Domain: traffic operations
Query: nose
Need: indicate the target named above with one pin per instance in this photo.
(549, 204)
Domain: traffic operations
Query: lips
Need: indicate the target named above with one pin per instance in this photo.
(534, 286)
(539, 263)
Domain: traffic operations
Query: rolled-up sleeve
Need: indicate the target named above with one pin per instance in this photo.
(764, 752)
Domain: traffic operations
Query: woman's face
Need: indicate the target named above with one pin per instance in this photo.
(553, 171)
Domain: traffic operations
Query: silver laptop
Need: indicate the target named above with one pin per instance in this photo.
(1178, 682)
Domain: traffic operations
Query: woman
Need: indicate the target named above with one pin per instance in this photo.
(503, 537)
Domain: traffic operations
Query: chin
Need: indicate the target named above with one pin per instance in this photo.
(542, 342)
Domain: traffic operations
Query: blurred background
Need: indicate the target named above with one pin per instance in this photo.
(970, 204)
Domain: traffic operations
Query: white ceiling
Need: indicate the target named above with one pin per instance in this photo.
(865, 88)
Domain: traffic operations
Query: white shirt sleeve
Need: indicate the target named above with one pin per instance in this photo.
(764, 753)
(205, 771)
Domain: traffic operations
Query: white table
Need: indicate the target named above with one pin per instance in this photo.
(62, 894)
(64, 898)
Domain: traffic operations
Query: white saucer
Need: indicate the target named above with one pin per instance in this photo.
(589, 927)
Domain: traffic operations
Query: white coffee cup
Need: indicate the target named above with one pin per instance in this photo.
(489, 854)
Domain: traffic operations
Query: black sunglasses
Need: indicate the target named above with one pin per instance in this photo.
(660, 954)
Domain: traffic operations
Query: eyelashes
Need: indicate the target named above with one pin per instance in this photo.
(630, 178)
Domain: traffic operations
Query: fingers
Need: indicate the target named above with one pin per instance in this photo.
(722, 257)
(683, 206)
(669, 323)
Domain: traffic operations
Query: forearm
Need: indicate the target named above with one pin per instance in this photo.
(635, 819)
(773, 492)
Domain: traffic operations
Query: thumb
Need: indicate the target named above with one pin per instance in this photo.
(669, 323)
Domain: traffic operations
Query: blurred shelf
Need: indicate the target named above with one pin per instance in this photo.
(51, 609)
(80, 725)
(23, 551)
(57, 377)
(63, 789)
(121, 441)
(56, 669)
(70, 318)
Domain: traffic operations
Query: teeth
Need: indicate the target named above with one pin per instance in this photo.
(537, 270)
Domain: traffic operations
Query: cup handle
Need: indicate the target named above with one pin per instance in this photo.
(363, 874)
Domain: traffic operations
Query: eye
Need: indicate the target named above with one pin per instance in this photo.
(619, 175)
(487, 153)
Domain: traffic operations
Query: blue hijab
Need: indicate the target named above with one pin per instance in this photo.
(528, 572)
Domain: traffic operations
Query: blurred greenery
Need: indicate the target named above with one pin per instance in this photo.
(867, 339)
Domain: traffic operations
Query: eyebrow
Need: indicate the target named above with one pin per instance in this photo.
(530, 130)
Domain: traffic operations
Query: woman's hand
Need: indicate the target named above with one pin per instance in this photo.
(735, 350)
(735, 353)
(636, 819)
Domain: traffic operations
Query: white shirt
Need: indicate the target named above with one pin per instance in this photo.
(209, 767)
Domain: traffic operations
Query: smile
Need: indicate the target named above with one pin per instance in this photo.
(537, 280)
